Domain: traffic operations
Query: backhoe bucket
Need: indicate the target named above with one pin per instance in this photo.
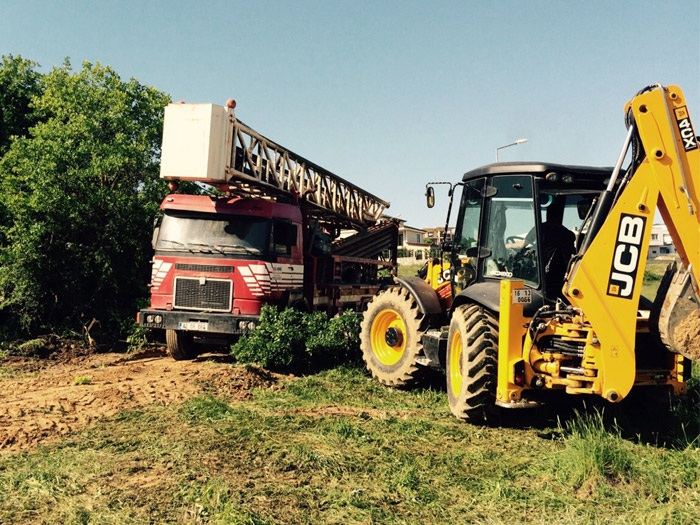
(678, 311)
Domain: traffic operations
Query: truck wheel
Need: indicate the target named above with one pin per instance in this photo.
(390, 335)
(472, 364)
(180, 345)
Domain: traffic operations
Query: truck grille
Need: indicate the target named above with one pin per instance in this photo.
(203, 294)
(210, 268)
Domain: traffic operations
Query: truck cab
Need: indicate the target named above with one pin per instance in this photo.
(217, 261)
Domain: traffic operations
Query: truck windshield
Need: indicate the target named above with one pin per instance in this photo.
(210, 232)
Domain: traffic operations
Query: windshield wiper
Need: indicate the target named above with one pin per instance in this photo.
(188, 246)
(203, 247)
(172, 241)
(206, 248)
(236, 247)
(178, 243)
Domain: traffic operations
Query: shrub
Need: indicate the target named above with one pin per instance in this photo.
(336, 340)
(294, 340)
(137, 338)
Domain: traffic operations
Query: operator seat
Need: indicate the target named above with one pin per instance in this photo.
(558, 245)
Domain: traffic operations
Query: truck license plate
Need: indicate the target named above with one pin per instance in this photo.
(522, 296)
(196, 326)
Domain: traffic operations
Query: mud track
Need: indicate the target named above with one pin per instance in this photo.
(42, 400)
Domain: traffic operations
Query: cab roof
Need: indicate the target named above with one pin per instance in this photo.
(231, 206)
(539, 169)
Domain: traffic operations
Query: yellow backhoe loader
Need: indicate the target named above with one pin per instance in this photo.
(544, 277)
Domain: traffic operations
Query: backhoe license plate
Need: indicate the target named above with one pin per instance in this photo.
(522, 296)
(195, 326)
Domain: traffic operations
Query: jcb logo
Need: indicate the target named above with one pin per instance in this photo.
(626, 257)
(685, 128)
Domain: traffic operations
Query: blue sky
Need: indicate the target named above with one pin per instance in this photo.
(389, 94)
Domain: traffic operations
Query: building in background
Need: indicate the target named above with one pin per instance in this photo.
(416, 245)
(413, 248)
(436, 236)
(660, 243)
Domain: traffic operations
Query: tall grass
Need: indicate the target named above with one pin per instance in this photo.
(597, 464)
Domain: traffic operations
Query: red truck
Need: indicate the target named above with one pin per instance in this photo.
(276, 229)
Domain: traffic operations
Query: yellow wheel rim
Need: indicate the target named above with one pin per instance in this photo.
(388, 337)
(455, 364)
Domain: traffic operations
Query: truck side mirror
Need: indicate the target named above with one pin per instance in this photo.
(430, 196)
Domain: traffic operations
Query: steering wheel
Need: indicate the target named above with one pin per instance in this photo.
(527, 243)
(531, 237)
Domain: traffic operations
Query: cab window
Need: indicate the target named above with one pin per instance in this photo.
(284, 236)
(509, 231)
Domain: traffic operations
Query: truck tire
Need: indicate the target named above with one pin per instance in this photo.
(472, 364)
(390, 335)
(180, 345)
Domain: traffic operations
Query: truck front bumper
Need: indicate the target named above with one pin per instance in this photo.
(207, 323)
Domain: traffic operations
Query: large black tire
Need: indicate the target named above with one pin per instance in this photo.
(180, 345)
(390, 338)
(472, 364)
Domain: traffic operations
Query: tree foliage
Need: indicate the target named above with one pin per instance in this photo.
(77, 195)
(19, 84)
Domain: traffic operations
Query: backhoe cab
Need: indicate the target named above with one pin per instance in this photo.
(543, 289)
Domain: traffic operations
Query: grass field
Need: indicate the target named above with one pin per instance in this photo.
(652, 276)
(336, 447)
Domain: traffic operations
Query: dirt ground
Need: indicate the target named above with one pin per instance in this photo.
(687, 335)
(43, 399)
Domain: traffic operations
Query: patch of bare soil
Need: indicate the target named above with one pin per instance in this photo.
(42, 400)
(687, 335)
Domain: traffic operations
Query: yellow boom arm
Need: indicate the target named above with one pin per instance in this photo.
(605, 281)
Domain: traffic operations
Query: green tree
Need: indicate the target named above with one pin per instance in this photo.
(79, 194)
(19, 84)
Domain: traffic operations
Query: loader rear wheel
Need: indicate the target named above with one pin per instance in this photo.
(472, 364)
(390, 335)
(180, 345)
